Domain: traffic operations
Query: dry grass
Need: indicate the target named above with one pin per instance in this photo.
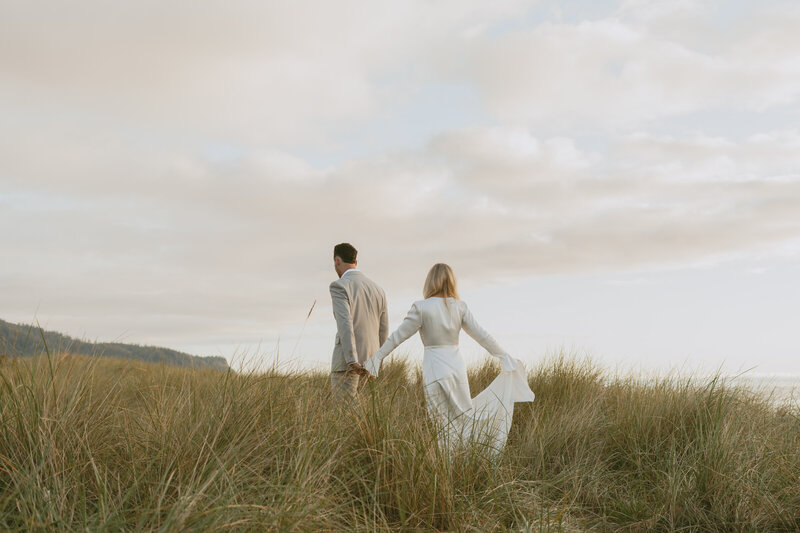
(101, 444)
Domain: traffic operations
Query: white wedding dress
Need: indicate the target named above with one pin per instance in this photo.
(485, 418)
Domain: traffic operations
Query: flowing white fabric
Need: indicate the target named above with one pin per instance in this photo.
(487, 417)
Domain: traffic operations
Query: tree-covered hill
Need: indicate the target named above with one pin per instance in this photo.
(23, 340)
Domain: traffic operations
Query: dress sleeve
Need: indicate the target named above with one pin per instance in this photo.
(410, 325)
(474, 330)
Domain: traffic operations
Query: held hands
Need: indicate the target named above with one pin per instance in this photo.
(355, 367)
(372, 365)
(359, 369)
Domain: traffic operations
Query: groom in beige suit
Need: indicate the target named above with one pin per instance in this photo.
(362, 323)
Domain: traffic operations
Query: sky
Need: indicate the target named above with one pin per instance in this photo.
(613, 180)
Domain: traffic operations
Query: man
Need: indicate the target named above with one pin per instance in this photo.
(362, 323)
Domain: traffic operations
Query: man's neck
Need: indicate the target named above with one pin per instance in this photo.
(351, 269)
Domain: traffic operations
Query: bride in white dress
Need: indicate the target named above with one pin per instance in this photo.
(439, 319)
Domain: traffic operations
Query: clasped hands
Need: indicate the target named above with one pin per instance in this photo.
(358, 368)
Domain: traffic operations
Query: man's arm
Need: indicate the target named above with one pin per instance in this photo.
(344, 322)
(383, 329)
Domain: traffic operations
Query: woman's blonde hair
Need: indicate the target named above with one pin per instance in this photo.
(441, 281)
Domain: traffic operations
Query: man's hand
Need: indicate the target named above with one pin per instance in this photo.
(356, 367)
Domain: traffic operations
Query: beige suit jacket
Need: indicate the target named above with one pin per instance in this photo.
(362, 322)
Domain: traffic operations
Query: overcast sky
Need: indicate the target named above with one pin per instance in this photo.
(618, 179)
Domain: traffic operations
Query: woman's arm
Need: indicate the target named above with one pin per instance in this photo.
(474, 330)
(409, 326)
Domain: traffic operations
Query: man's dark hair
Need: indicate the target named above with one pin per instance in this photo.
(346, 252)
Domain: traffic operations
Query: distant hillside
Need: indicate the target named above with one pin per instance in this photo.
(24, 340)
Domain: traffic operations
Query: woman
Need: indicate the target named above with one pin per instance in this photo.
(439, 319)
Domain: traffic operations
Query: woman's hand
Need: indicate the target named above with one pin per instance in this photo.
(372, 366)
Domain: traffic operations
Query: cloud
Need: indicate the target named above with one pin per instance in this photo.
(250, 71)
(613, 73)
(156, 170)
(205, 236)
(772, 156)
(242, 251)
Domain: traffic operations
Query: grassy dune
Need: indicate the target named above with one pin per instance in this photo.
(101, 444)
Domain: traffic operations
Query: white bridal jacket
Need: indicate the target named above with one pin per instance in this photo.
(444, 373)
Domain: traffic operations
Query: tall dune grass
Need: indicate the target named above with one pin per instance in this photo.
(100, 444)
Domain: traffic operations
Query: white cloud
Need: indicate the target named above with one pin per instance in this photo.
(204, 237)
(154, 169)
(257, 72)
(763, 156)
(613, 73)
